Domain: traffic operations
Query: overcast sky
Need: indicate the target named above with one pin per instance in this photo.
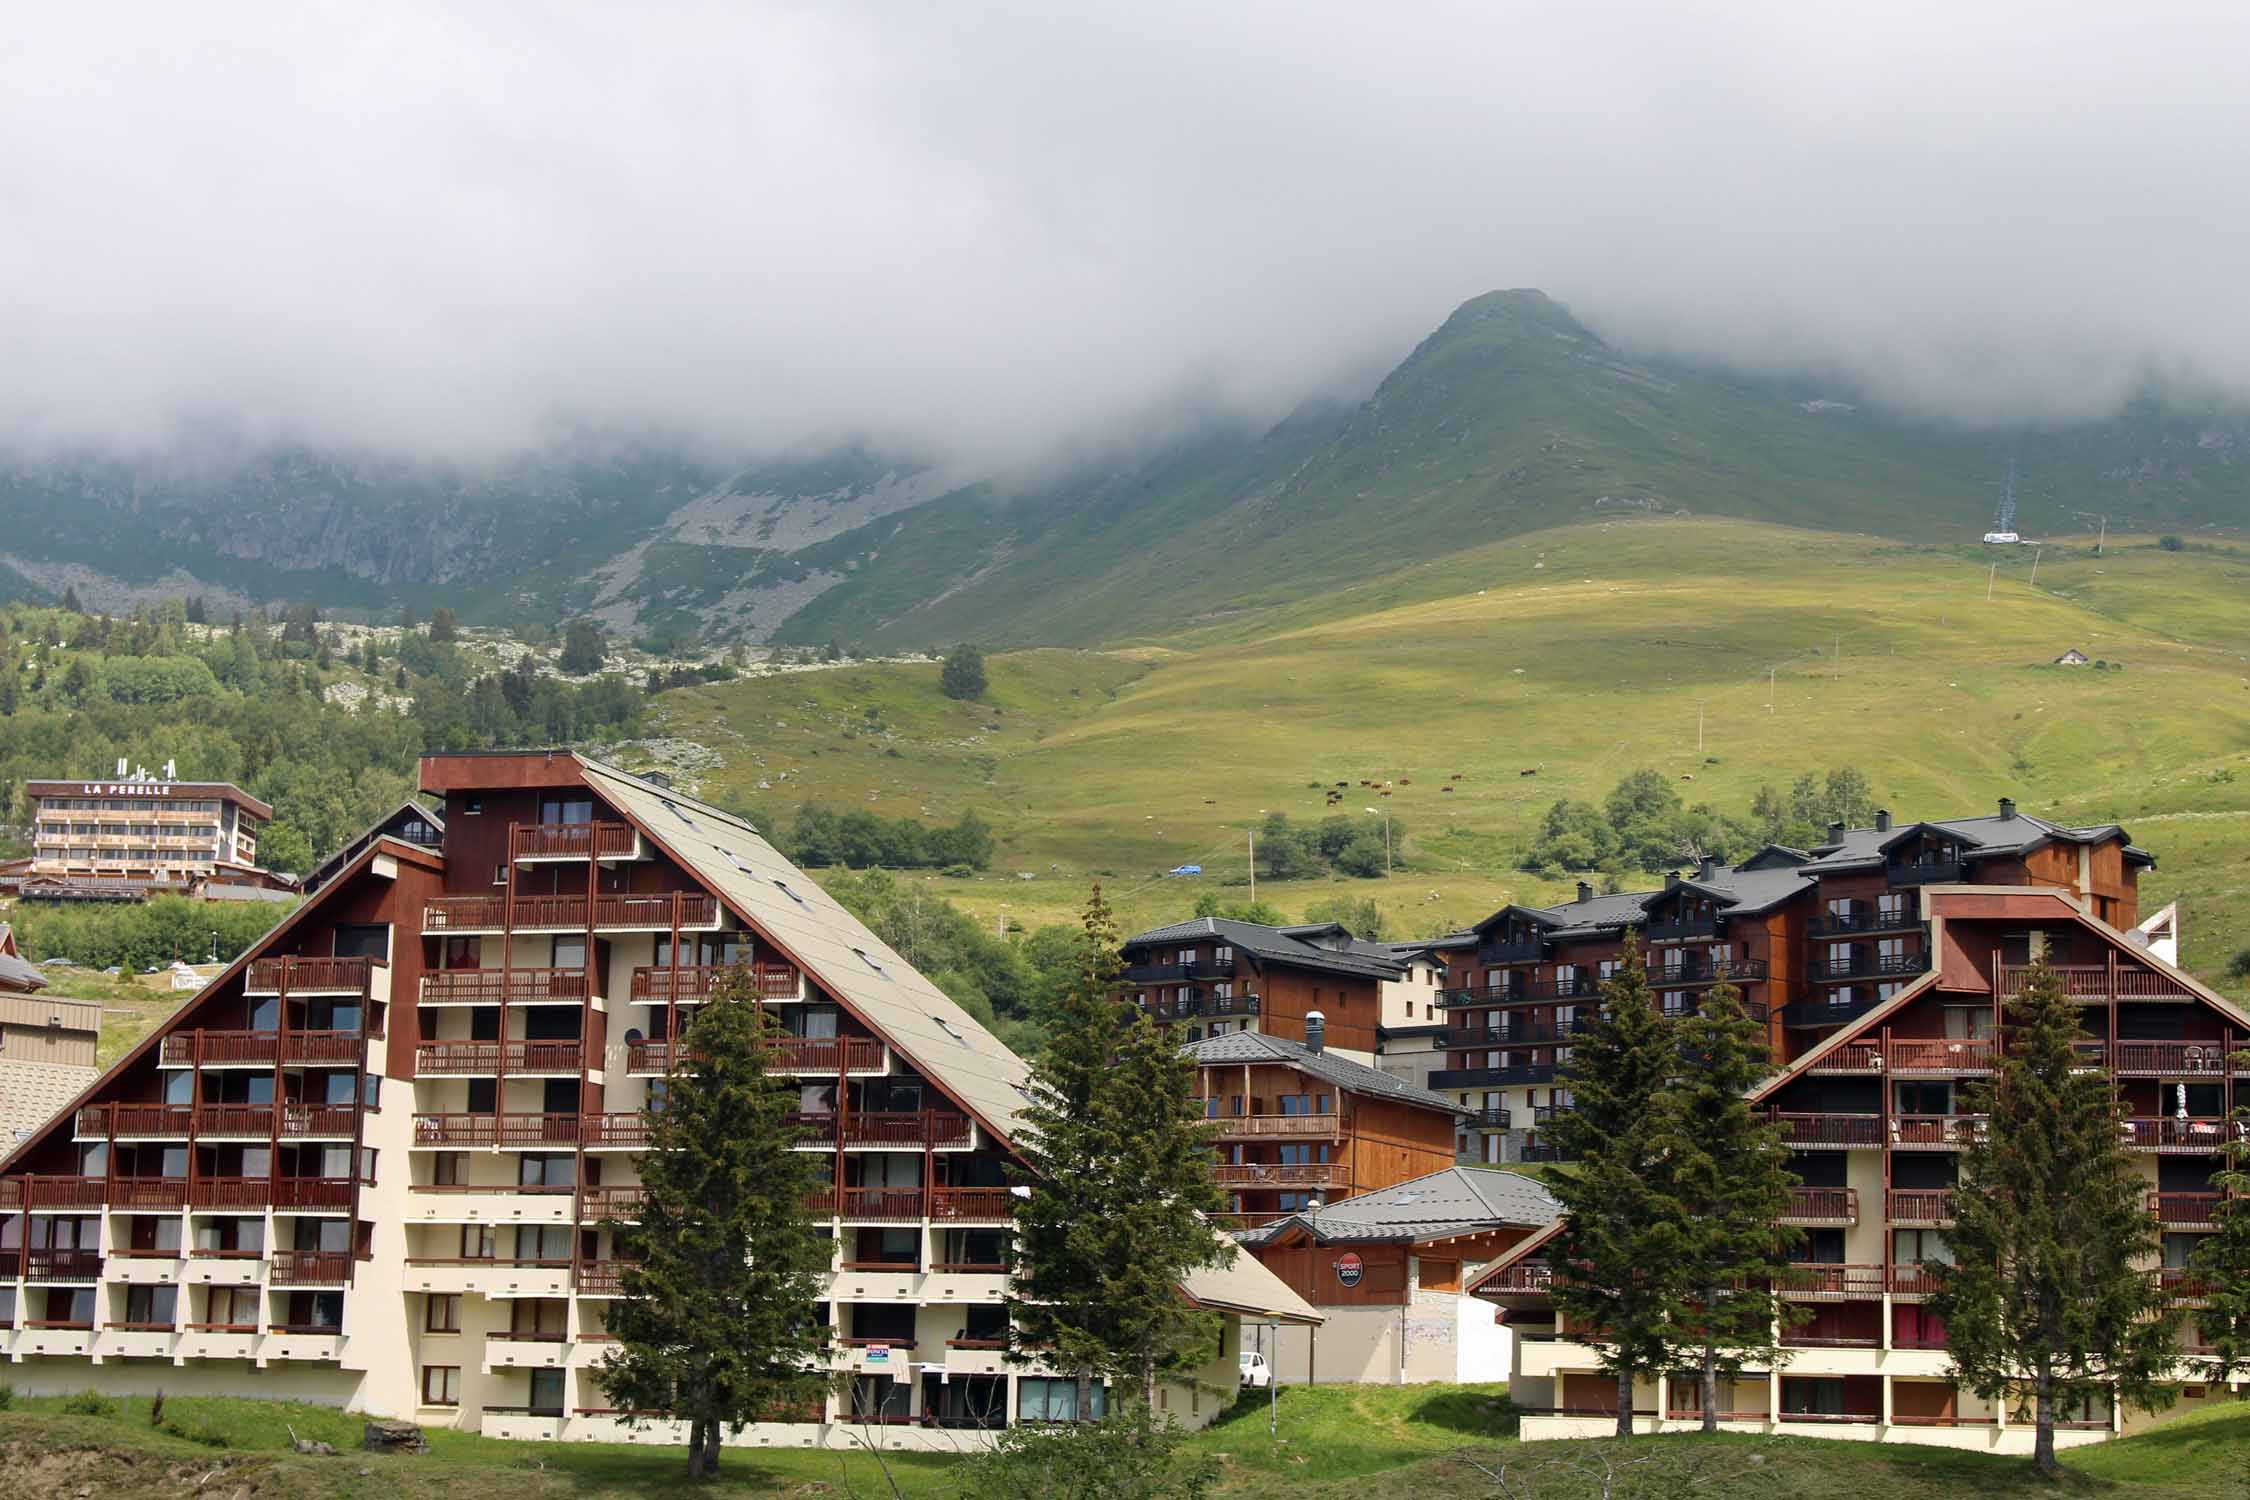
(986, 226)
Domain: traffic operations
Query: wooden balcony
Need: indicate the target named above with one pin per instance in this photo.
(311, 1268)
(1944, 1057)
(2186, 1210)
(2100, 982)
(1851, 1057)
(222, 1048)
(601, 1278)
(345, 1047)
(623, 1130)
(235, 1122)
(1822, 1207)
(1919, 1206)
(227, 1194)
(827, 1054)
(882, 1205)
(1718, 971)
(485, 1059)
(659, 984)
(1846, 1131)
(63, 1265)
(656, 913)
(465, 914)
(972, 1205)
(560, 841)
(660, 912)
(1811, 1281)
(498, 986)
(318, 1121)
(308, 976)
(1279, 1175)
(623, 1203)
(906, 1129)
(2206, 1059)
(1526, 1278)
(312, 1194)
(1935, 1132)
(156, 1194)
(2171, 1133)
(37, 1192)
(104, 1121)
(1266, 1127)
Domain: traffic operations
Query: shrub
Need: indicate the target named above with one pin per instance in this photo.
(7, 1395)
(2238, 967)
(2170, 543)
(959, 872)
(1129, 1454)
(89, 1403)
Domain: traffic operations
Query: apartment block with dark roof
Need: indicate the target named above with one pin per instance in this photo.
(1813, 939)
(378, 1161)
(1876, 1109)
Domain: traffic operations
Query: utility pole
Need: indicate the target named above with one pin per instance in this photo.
(2036, 554)
(2102, 540)
(1699, 726)
(1990, 579)
(1769, 687)
(1252, 836)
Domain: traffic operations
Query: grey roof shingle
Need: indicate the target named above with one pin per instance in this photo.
(1357, 1078)
(1277, 945)
(1454, 1201)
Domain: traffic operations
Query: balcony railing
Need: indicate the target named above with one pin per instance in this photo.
(1851, 1057)
(888, 1205)
(302, 1120)
(980, 1205)
(1949, 1055)
(1520, 1033)
(1936, 1132)
(1202, 968)
(1718, 971)
(1868, 966)
(601, 1278)
(1925, 872)
(322, 1047)
(230, 1193)
(1327, 1125)
(63, 1265)
(320, 1193)
(1492, 1078)
(1680, 929)
(1279, 1175)
(1521, 993)
(1822, 1279)
(1524, 1278)
(235, 1122)
(188, 1047)
(679, 908)
(483, 1058)
(2186, 1210)
(103, 1120)
(2100, 982)
(1824, 1010)
(164, 1194)
(905, 1128)
(656, 984)
(2206, 1059)
(311, 1267)
(1491, 1118)
(628, 1129)
(464, 913)
(2175, 1133)
(597, 1203)
(1841, 924)
(826, 1054)
(1822, 1206)
(1920, 1206)
(1831, 1129)
(573, 841)
(308, 975)
(1512, 951)
(493, 986)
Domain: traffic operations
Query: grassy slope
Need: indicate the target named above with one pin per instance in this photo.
(130, 1009)
(1583, 653)
(1335, 1442)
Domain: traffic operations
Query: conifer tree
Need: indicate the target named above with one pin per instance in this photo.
(2222, 1261)
(1730, 1174)
(1117, 1167)
(1618, 1258)
(2049, 1294)
(720, 1321)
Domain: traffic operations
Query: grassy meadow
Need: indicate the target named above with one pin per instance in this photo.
(1576, 655)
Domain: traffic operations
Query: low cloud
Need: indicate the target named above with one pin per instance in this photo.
(987, 229)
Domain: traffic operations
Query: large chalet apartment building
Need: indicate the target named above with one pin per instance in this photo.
(376, 1162)
(1883, 962)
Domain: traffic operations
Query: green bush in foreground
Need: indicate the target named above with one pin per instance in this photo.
(1127, 1455)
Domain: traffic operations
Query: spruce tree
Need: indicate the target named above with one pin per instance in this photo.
(1117, 1179)
(1730, 1174)
(720, 1323)
(1618, 1259)
(2050, 1291)
(2222, 1261)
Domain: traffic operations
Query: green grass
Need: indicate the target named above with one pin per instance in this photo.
(1581, 653)
(1334, 1442)
(130, 1009)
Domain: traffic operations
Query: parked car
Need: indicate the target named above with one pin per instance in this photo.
(1256, 1373)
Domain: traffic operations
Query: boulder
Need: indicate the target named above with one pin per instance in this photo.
(393, 1437)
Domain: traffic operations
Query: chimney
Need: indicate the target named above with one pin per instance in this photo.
(2007, 809)
(1882, 820)
(1709, 867)
(1835, 833)
(1315, 1025)
(1671, 879)
(1585, 892)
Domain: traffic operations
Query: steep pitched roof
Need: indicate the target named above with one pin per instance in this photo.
(1453, 1201)
(1352, 1077)
(945, 1043)
(1278, 945)
(1247, 1287)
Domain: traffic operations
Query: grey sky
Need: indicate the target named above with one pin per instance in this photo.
(985, 226)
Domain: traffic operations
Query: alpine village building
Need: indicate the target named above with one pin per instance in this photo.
(1882, 962)
(377, 1160)
(138, 835)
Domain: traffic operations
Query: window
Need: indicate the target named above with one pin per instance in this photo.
(544, 1318)
(472, 806)
(151, 1306)
(549, 1243)
(1917, 1247)
(1925, 1098)
(1039, 1400)
(551, 1171)
(363, 940)
(441, 1385)
(450, 1169)
(500, 873)
(566, 809)
(478, 1242)
(441, 1313)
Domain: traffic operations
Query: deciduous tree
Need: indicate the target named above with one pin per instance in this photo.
(2050, 1292)
(963, 676)
(720, 1319)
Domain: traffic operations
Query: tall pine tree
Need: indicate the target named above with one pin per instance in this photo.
(1117, 1180)
(720, 1321)
(1619, 1256)
(1731, 1180)
(2222, 1261)
(2049, 1294)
